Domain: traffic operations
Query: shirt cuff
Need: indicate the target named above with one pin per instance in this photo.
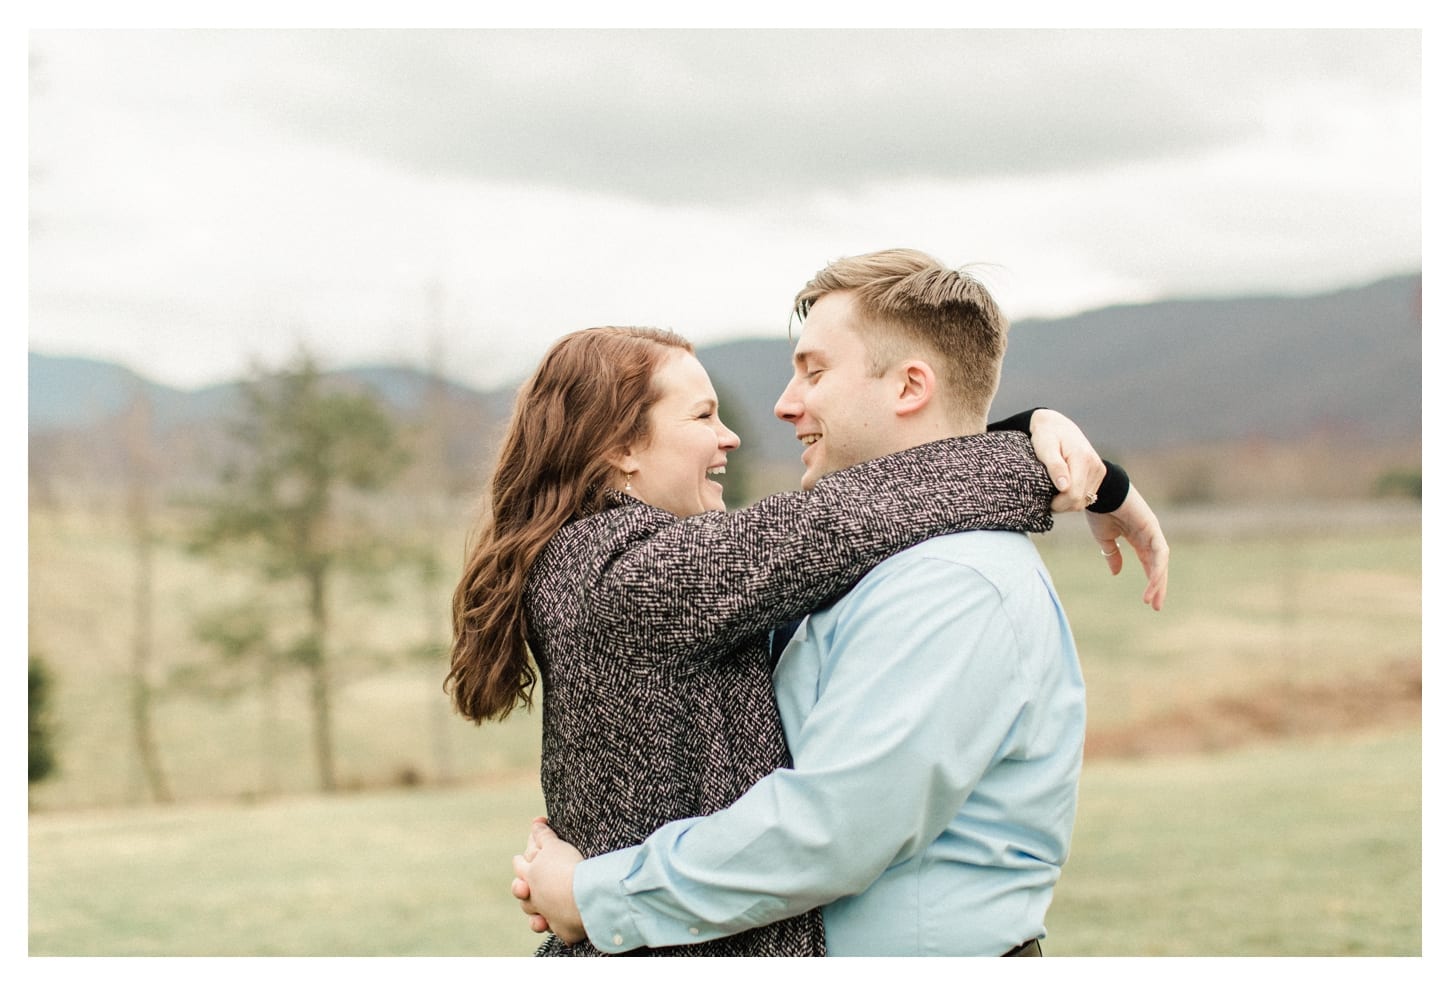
(603, 902)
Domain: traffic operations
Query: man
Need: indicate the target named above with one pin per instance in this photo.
(935, 713)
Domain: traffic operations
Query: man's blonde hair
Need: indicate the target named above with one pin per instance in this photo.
(906, 299)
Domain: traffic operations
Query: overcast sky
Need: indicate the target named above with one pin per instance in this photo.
(200, 200)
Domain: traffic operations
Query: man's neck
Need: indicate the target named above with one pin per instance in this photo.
(938, 428)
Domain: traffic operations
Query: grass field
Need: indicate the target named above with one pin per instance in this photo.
(1298, 835)
(1301, 848)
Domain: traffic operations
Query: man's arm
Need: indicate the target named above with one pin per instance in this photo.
(902, 731)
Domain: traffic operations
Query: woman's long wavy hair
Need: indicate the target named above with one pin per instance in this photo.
(588, 402)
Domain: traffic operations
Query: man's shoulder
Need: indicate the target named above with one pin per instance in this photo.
(957, 576)
(973, 548)
(996, 557)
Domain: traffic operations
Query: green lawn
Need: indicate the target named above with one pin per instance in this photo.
(406, 873)
(1311, 848)
(1307, 848)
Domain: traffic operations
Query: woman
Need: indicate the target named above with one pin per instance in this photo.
(605, 553)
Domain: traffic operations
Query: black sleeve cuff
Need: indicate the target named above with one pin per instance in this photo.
(1017, 422)
(1113, 489)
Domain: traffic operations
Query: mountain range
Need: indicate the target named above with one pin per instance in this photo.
(1141, 377)
(1178, 373)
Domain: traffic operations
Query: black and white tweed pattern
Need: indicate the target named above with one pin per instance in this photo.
(651, 635)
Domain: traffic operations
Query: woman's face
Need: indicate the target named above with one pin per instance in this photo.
(687, 442)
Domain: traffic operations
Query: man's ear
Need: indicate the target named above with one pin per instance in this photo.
(916, 387)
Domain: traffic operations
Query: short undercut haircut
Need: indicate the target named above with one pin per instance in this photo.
(908, 299)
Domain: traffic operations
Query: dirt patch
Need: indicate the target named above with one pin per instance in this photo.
(1272, 711)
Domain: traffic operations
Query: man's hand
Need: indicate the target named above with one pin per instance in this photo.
(1135, 521)
(544, 884)
(1072, 464)
(520, 886)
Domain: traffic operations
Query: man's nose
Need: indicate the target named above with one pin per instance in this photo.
(788, 408)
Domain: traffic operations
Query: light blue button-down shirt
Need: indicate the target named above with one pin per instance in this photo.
(935, 715)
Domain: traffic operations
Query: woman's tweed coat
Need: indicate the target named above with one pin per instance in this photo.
(652, 635)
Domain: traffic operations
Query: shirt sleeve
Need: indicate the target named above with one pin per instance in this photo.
(920, 703)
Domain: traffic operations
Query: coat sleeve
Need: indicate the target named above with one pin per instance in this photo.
(693, 589)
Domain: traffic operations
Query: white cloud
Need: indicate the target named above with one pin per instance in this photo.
(201, 199)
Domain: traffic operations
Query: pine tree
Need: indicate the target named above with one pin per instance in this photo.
(305, 448)
(42, 732)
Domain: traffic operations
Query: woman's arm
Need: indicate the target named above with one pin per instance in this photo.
(1116, 509)
(696, 587)
(1136, 523)
(1070, 459)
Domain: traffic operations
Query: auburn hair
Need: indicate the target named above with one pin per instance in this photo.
(587, 403)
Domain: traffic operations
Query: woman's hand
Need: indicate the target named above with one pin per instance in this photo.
(1137, 523)
(1074, 466)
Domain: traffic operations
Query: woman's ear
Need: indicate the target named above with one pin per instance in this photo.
(916, 387)
(624, 460)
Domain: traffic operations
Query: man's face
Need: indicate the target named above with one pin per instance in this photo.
(842, 412)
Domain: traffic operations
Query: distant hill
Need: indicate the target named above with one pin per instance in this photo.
(1152, 375)
(69, 394)
(1137, 377)
(1141, 377)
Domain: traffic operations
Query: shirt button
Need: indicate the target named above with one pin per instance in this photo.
(695, 931)
(618, 939)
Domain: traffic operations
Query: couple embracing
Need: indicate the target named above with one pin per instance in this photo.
(842, 721)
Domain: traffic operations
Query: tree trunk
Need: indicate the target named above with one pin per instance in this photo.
(433, 495)
(271, 721)
(148, 755)
(142, 694)
(440, 709)
(321, 687)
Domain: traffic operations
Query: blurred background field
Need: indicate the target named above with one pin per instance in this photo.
(1253, 783)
